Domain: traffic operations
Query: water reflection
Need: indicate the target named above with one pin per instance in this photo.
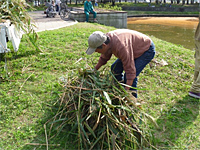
(174, 34)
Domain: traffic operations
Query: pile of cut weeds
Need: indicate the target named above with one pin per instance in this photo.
(98, 113)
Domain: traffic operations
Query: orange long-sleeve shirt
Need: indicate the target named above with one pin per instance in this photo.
(126, 45)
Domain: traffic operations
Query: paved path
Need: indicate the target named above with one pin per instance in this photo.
(45, 23)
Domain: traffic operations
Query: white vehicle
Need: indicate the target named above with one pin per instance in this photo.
(8, 32)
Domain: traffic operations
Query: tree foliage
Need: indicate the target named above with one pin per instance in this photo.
(16, 12)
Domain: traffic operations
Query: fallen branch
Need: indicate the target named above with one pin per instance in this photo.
(25, 82)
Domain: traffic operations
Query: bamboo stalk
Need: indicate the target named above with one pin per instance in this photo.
(24, 83)
(38, 144)
(75, 87)
(47, 145)
(97, 122)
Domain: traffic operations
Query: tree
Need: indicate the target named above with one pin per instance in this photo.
(113, 2)
(157, 2)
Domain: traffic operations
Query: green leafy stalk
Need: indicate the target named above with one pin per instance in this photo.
(16, 12)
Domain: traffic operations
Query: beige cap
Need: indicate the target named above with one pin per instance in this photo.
(95, 40)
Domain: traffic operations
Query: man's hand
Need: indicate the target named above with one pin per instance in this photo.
(85, 72)
(131, 97)
(128, 82)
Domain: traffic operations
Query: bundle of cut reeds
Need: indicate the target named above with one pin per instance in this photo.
(100, 113)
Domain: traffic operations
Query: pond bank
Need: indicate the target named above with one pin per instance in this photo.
(168, 8)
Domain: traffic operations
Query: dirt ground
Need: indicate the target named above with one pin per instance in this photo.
(189, 22)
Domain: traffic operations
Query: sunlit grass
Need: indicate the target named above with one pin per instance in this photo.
(30, 90)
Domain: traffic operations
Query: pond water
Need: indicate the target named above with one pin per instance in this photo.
(179, 31)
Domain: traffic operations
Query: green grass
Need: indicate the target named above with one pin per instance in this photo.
(30, 90)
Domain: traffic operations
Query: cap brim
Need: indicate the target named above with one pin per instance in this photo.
(90, 50)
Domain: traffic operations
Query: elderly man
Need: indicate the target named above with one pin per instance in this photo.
(133, 49)
(195, 88)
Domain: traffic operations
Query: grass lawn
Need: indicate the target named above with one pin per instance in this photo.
(30, 90)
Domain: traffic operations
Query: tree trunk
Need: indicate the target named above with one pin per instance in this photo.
(42, 2)
(156, 2)
(113, 2)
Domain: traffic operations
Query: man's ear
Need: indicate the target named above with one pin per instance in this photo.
(104, 44)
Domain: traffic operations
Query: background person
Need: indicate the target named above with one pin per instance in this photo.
(195, 88)
(96, 3)
(53, 3)
(88, 8)
(133, 49)
(58, 6)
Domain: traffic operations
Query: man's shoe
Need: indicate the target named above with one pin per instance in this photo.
(195, 95)
(95, 21)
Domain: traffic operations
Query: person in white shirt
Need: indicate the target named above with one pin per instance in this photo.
(58, 6)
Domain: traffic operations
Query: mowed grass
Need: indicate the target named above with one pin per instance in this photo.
(30, 90)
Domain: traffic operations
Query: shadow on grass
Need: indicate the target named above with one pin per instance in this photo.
(22, 54)
(175, 121)
(15, 55)
(2, 57)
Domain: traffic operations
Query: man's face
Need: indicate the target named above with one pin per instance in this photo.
(102, 50)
